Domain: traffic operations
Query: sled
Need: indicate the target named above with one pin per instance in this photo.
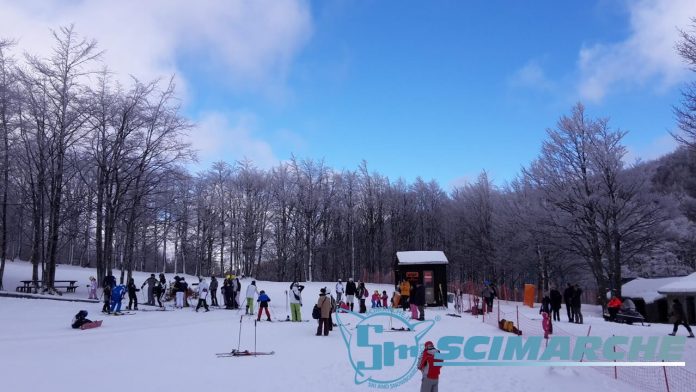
(243, 353)
(93, 324)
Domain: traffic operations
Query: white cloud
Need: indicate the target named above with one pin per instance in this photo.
(248, 44)
(647, 54)
(218, 137)
(531, 75)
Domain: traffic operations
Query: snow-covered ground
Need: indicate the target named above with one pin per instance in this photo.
(174, 350)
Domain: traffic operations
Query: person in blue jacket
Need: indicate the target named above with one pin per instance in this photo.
(117, 294)
(263, 301)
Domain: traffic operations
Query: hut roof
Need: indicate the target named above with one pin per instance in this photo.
(421, 257)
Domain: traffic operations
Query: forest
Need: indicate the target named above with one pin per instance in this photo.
(94, 172)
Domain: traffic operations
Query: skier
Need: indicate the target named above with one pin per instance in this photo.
(179, 290)
(405, 292)
(568, 298)
(236, 293)
(324, 304)
(426, 364)
(263, 301)
(150, 282)
(492, 295)
(92, 287)
(419, 299)
(545, 304)
(339, 290)
(107, 299)
(226, 292)
(202, 295)
(556, 302)
(385, 299)
(678, 318)
(485, 294)
(375, 299)
(213, 291)
(117, 294)
(132, 295)
(350, 292)
(80, 319)
(296, 301)
(160, 288)
(396, 298)
(362, 294)
(546, 325)
(185, 289)
(251, 291)
(577, 304)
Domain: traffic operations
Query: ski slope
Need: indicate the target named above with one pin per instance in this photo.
(175, 349)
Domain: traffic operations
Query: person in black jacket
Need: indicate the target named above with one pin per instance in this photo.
(80, 319)
(418, 299)
(545, 304)
(213, 291)
(556, 302)
(132, 295)
(679, 318)
(576, 302)
(362, 292)
(568, 298)
(350, 293)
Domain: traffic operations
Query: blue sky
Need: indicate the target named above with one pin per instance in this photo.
(439, 89)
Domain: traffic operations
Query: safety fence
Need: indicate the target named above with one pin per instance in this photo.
(648, 378)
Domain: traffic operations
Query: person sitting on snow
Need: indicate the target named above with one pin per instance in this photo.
(80, 319)
(263, 301)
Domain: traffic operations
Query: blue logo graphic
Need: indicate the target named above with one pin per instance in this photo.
(383, 346)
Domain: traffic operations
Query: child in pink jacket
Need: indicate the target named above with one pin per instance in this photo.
(546, 324)
(385, 299)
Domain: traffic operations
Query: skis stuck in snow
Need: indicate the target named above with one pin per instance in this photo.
(243, 353)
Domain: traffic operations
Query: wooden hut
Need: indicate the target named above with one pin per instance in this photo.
(428, 268)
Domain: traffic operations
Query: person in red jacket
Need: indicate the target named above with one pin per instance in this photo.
(613, 306)
(427, 365)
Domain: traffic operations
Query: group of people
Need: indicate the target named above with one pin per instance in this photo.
(572, 296)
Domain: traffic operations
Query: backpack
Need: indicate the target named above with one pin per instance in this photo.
(316, 312)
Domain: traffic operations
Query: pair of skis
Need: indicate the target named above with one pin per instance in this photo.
(244, 353)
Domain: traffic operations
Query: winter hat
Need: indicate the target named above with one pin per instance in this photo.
(263, 292)
(323, 290)
(429, 344)
(153, 275)
(253, 282)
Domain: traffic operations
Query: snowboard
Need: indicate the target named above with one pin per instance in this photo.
(93, 324)
(243, 353)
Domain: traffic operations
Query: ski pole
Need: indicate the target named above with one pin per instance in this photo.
(239, 340)
(254, 337)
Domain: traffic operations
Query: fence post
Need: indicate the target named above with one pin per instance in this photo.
(498, 309)
(616, 371)
(583, 351)
(517, 311)
(664, 370)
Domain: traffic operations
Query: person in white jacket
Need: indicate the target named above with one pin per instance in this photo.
(203, 290)
(296, 301)
(251, 292)
(339, 291)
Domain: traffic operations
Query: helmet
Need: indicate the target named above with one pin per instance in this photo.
(429, 344)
